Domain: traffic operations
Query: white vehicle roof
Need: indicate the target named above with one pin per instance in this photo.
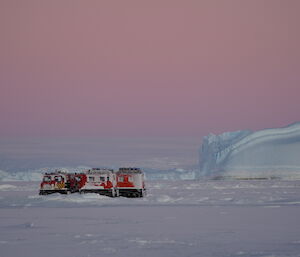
(99, 171)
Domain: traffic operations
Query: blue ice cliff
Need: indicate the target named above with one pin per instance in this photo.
(266, 153)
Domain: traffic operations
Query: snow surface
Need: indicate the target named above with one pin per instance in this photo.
(176, 218)
(266, 153)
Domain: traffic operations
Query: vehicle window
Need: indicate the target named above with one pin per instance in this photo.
(91, 179)
(102, 179)
(130, 179)
(58, 179)
(47, 179)
(121, 179)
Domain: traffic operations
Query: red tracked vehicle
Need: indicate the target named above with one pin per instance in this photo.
(127, 182)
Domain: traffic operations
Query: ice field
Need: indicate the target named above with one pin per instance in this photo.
(178, 218)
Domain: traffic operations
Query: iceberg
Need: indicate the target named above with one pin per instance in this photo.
(268, 153)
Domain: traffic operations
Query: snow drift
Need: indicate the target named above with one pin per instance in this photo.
(262, 154)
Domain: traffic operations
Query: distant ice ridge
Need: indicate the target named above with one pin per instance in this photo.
(34, 175)
(262, 154)
(174, 174)
(20, 176)
(151, 174)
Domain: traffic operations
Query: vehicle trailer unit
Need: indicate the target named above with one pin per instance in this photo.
(130, 182)
(101, 181)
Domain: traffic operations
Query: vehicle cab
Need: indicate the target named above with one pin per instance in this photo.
(56, 182)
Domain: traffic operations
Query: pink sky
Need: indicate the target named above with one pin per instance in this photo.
(147, 68)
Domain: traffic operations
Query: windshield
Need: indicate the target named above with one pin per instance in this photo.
(47, 179)
(58, 178)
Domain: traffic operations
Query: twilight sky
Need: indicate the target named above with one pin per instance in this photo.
(147, 68)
